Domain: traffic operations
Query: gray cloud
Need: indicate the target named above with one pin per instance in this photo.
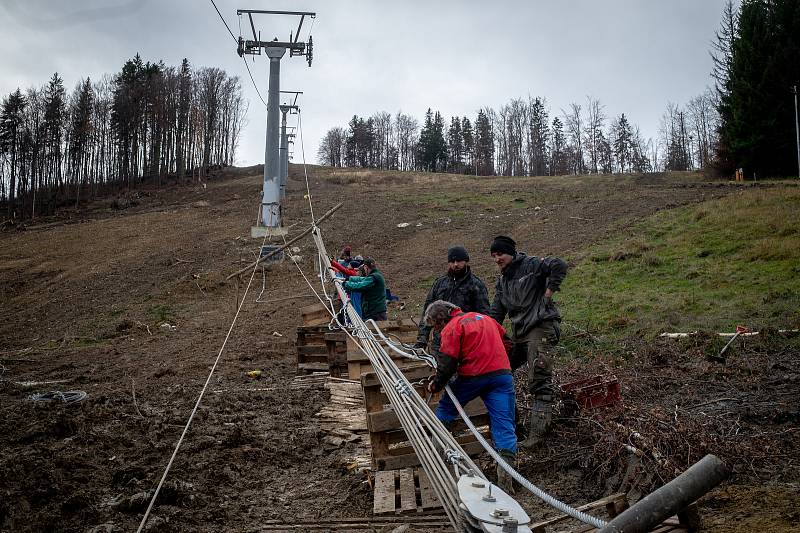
(454, 56)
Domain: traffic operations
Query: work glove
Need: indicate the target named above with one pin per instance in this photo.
(432, 388)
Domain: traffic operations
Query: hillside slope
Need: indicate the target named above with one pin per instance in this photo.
(85, 302)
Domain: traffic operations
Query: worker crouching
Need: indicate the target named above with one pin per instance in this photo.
(472, 347)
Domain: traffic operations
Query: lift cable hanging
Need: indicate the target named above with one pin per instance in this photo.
(197, 403)
(243, 59)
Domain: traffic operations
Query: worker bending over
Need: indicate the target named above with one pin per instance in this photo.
(472, 346)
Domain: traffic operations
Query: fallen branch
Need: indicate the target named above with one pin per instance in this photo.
(288, 243)
(133, 393)
(748, 334)
(713, 401)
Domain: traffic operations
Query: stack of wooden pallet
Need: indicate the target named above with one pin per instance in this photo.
(320, 349)
(390, 447)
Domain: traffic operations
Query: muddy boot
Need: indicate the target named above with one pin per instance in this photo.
(504, 479)
(541, 420)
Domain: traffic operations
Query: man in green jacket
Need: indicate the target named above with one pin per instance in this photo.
(524, 293)
(372, 287)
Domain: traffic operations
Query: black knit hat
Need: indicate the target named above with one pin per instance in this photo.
(504, 245)
(457, 253)
(370, 262)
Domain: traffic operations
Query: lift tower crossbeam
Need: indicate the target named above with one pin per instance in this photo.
(270, 215)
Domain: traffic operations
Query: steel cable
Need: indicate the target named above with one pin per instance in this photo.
(536, 491)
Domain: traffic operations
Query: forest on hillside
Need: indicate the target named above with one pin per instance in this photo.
(745, 120)
(144, 123)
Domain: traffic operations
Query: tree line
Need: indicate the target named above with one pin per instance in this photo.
(756, 66)
(140, 125)
(525, 138)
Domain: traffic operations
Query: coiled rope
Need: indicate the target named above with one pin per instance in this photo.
(67, 397)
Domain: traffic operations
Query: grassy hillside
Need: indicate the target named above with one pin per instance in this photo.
(728, 261)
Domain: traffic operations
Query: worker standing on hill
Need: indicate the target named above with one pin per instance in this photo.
(472, 346)
(460, 287)
(524, 292)
(372, 287)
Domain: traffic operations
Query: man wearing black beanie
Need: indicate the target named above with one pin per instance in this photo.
(459, 287)
(524, 293)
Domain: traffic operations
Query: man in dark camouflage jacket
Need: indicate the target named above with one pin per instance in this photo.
(524, 293)
(459, 287)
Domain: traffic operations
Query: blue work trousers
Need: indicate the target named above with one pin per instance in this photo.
(355, 300)
(497, 393)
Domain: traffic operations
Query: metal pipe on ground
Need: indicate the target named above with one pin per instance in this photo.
(672, 498)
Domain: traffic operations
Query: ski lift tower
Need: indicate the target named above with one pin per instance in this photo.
(291, 109)
(270, 219)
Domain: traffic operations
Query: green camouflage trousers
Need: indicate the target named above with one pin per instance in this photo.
(537, 349)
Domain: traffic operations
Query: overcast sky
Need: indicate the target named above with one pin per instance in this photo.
(453, 56)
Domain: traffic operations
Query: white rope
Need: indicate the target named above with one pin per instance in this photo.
(199, 398)
(303, 151)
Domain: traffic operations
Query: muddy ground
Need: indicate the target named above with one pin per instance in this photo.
(85, 297)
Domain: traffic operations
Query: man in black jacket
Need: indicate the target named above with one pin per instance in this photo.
(459, 287)
(524, 292)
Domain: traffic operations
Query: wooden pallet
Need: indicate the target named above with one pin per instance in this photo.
(403, 491)
(321, 350)
(336, 345)
(403, 330)
(390, 447)
(315, 315)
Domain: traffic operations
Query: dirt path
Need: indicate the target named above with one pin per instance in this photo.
(83, 301)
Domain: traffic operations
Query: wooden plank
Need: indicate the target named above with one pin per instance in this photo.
(428, 498)
(408, 494)
(384, 501)
(666, 529)
(690, 518)
(414, 372)
(394, 462)
(312, 367)
(591, 506)
(387, 420)
(313, 349)
(354, 370)
(314, 358)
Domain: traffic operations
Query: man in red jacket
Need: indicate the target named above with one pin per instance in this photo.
(472, 346)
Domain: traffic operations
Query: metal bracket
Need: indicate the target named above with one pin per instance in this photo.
(488, 508)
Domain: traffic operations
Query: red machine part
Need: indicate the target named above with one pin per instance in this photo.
(590, 393)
